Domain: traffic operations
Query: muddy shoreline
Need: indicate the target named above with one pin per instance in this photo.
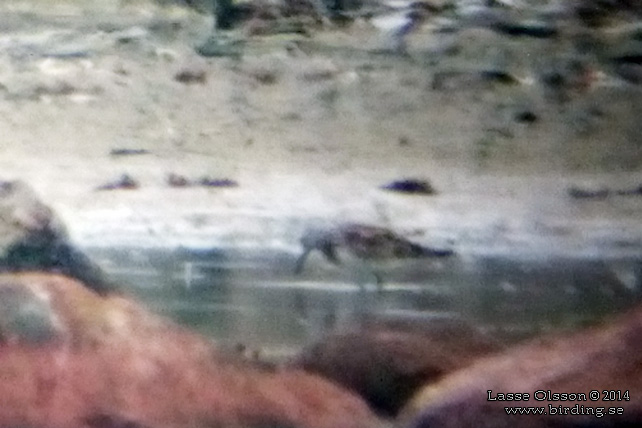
(309, 135)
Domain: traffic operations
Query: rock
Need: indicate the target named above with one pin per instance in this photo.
(217, 182)
(124, 182)
(218, 46)
(316, 70)
(635, 191)
(605, 358)
(72, 358)
(266, 69)
(535, 29)
(176, 180)
(190, 75)
(627, 66)
(179, 181)
(270, 27)
(478, 15)
(576, 192)
(525, 116)
(410, 186)
(128, 152)
(596, 13)
(468, 79)
(631, 73)
(386, 363)
(32, 238)
(192, 69)
(565, 78)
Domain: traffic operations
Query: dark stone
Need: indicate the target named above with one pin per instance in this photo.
(461, 79)
(526, 116)
(525, 29)
(128, 152)
(175, 180)
(49, 252)
(385, 363)
(632, 73)
(35, 240)
(629, 58)
(219, 46)
(188, 76)
(125, 182)
(636, 191)
(218, 182)
(580, 193)
(565, 78)
(595, 13)
(411, 186)
(498, 76)
(553, 79)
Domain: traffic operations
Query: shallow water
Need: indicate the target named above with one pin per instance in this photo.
(255, 298)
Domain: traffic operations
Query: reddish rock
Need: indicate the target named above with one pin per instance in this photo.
(105, 362)
(386, 363)
(597, 359)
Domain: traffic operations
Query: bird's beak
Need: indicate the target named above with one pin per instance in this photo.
(434, 252)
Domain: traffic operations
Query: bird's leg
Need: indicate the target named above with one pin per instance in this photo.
(378, 282)
(329, 250)
(365, 276)
(317, 240)
(300, 263)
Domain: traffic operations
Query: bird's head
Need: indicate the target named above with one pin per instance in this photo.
(323, 240)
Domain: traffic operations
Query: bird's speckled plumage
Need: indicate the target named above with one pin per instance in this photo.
(364, 242)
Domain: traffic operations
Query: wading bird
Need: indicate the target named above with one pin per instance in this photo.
(370, 248)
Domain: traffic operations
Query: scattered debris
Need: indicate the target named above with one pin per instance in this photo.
(603, 192)
(125, 182)
(411, 186)
(189, 76)
(218, 46)
(128, 152)
(264, 27)
(318, 70)
(266, 70)
(637, 191)
(179, 181)
(565, 78)
(498, 76)
(628, 67)
(404, 141)
(525, 116)
(462, 79)
(175, 180)
(218, 182)
(538, 30)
